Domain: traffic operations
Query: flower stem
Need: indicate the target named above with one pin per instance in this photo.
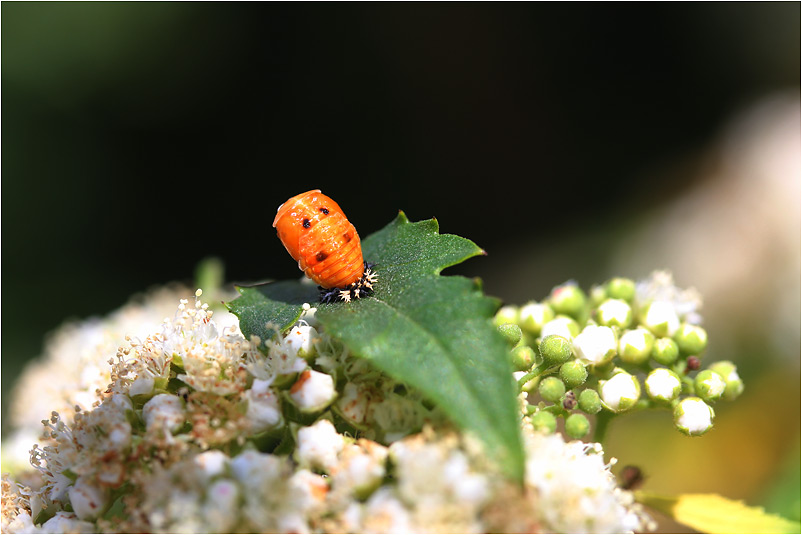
(602, 421)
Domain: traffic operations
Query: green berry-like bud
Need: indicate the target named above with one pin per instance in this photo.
(663, 384)
(691, 339)
(533, 316)
(620, 393)
(614, 313)
(568, 299)
(661, 318)
(589, 401)
(709, 385)
(620, 288)
(693, 416)
(511, 333)
(545, 422)
(561, 325)
(556, 349)
(728, 371)
(577, 426)
(551, 389)
(523, 358)
(573, 373)
(597, 296)
(506, 314)
(635, 346)
(665, 351)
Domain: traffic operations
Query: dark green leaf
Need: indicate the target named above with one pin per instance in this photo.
(430, 331)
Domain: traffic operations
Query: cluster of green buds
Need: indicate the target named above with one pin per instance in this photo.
(620, 347)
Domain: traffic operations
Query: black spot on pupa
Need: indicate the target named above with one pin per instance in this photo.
(324, 210)
(307, 223)
(347, 236)
(321, 256)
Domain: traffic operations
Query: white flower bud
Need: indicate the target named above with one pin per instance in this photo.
(64, 522)
(318, 446)
(693, 416)
(595, 344)
(360, 473)
(142, 385)
(561, 326)
(87, 500)
(263, 407)
(661, 318)
(663, 385)
(313, 391)
(533, 316)
(301, 340)
(353, 403)
(506, 314)
(635, 346)
(164, 411)
(211, 462)
(614, 312)
(621, 392)
(221, 501)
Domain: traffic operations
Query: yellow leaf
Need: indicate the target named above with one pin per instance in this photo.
(711, 513)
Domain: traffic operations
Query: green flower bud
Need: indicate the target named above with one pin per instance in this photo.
(589, 401)
(709, 385)
(597, 296)
(556, 349)
(665, 351)
(614, 313)
(577, 426)
(728, 371)
(562, 326)
(551, 389)
(693, 416)
(506, 314)
(635, 346)
(568, 299)
(620, 393)
(691, 339)
(663, 384)
(523, 358)
(573, 373)
(511, 333)
(533, 316)
(620, 288)
(544, 422)
(661, 318)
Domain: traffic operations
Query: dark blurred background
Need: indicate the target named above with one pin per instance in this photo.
(140, 138)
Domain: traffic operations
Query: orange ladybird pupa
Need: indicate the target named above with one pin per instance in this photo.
(316, 233)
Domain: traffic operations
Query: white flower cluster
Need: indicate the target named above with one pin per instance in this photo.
(200, 431)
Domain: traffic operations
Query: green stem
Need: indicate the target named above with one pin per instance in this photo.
(534, 373)
(602, 422)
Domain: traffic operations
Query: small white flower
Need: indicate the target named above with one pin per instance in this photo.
(313, 391)
(87, 500)
(693, 416)
(164, 411)
(319, 445)
(621, 392)
(384, 513)
(661, 318)
(353, 403)
(264, 411)
(561, 326)
(361, 469)
(615, 312)
(301, 340)
(663, 384)
(595, 344)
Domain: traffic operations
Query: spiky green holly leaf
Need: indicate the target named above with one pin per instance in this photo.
(430, 331)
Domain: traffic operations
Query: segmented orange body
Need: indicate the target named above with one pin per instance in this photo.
(316, 233)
